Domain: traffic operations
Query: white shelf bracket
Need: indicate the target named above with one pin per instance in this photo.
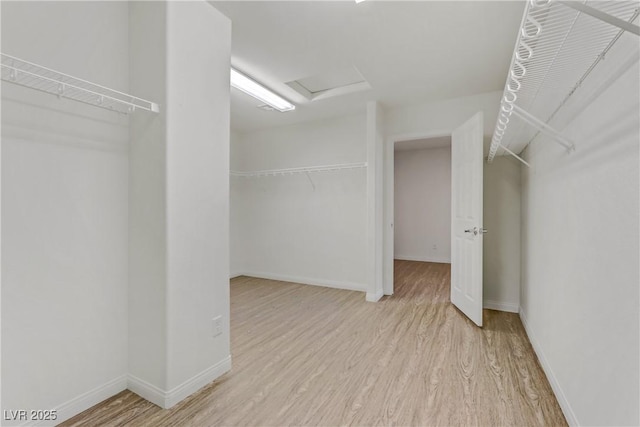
(523, 161)
(543, 127)
(311, 181)
(627, 26)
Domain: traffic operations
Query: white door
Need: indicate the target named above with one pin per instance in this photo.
(466, 218)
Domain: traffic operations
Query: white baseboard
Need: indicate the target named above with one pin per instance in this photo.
(85, 401)
(555, 385)
(146, 390)
(195, 383)
(501, 306)
(371, 297)
(440, 260)
(234, 275)
(167, 399)
(349, 286)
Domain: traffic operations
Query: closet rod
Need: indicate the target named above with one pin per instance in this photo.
(292, 171)
(599, 58)
(543, 127)
(609, 19)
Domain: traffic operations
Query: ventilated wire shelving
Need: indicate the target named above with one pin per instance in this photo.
(28, 74)
(301, 170)
(559, 44)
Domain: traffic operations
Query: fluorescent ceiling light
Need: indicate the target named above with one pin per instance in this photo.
(359, 1)
(248, 86)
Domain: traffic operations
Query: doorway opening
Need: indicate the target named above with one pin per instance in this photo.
(466, 196)
(418, 175)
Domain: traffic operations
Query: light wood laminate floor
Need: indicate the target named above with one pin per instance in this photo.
(308, 355)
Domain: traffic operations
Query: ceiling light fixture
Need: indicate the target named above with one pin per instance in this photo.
(359, 1)
(250, 87)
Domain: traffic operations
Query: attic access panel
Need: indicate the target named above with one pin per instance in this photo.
(330, 83)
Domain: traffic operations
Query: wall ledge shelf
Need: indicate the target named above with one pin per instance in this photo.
(27, 74)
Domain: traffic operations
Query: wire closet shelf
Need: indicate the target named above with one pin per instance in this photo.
(559, 44)
(301, 170)
(25, 73)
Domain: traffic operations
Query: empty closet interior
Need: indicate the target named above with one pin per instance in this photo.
(298, 203)
(136, 183)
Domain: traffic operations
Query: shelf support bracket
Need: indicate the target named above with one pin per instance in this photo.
(627, 26)
(523, 161)
(543, 127)
(311, 181)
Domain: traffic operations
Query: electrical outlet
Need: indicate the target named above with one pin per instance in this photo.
(435, 247)
(216, 325)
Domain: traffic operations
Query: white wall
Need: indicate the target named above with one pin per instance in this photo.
(501, 245)
(299, 228)
(441, 117)
(580, 260)
(0, 230)
(422, 218)
(375, 201)
(197, 192)
(64, 211)
(331, 141)
(180, 201)
(147, 206)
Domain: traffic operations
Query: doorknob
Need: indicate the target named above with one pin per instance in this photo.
(473, 230)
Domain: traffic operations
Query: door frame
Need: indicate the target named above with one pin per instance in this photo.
(388, 171)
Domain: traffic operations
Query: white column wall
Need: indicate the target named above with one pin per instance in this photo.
(197, 193)
(179, 222)
(147, 296)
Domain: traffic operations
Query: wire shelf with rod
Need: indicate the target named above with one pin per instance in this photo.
(559, 44)
(28, 74)
(301, 170)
